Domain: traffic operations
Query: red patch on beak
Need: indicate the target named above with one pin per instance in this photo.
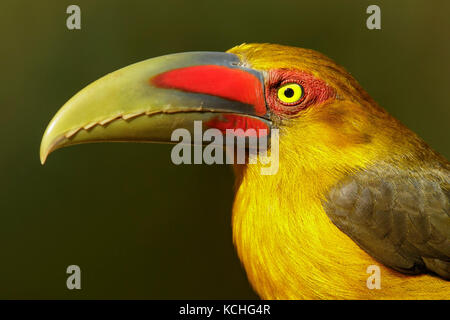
(233, 84)
(234, 121)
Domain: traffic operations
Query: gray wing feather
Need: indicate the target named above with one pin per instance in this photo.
(401, 218)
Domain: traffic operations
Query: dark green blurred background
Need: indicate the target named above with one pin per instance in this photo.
(137, 225)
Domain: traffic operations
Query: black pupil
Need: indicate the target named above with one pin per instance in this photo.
(289, 92)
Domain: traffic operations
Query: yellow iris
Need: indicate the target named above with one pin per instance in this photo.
(290, 93)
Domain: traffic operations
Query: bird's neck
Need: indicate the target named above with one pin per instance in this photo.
(287, 244)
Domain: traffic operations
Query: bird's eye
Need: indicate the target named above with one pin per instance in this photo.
(290, 93)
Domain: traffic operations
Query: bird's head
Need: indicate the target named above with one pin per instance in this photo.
(321, 112)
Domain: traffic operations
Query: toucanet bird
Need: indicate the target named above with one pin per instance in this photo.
(355, 188)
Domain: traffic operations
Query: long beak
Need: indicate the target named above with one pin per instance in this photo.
(147, 101)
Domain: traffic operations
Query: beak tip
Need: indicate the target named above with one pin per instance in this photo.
(43, 159)
(47, 148)
(43, 154)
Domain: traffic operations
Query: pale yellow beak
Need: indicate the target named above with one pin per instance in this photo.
(125, 106)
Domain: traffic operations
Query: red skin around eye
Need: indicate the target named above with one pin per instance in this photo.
(316, 91)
